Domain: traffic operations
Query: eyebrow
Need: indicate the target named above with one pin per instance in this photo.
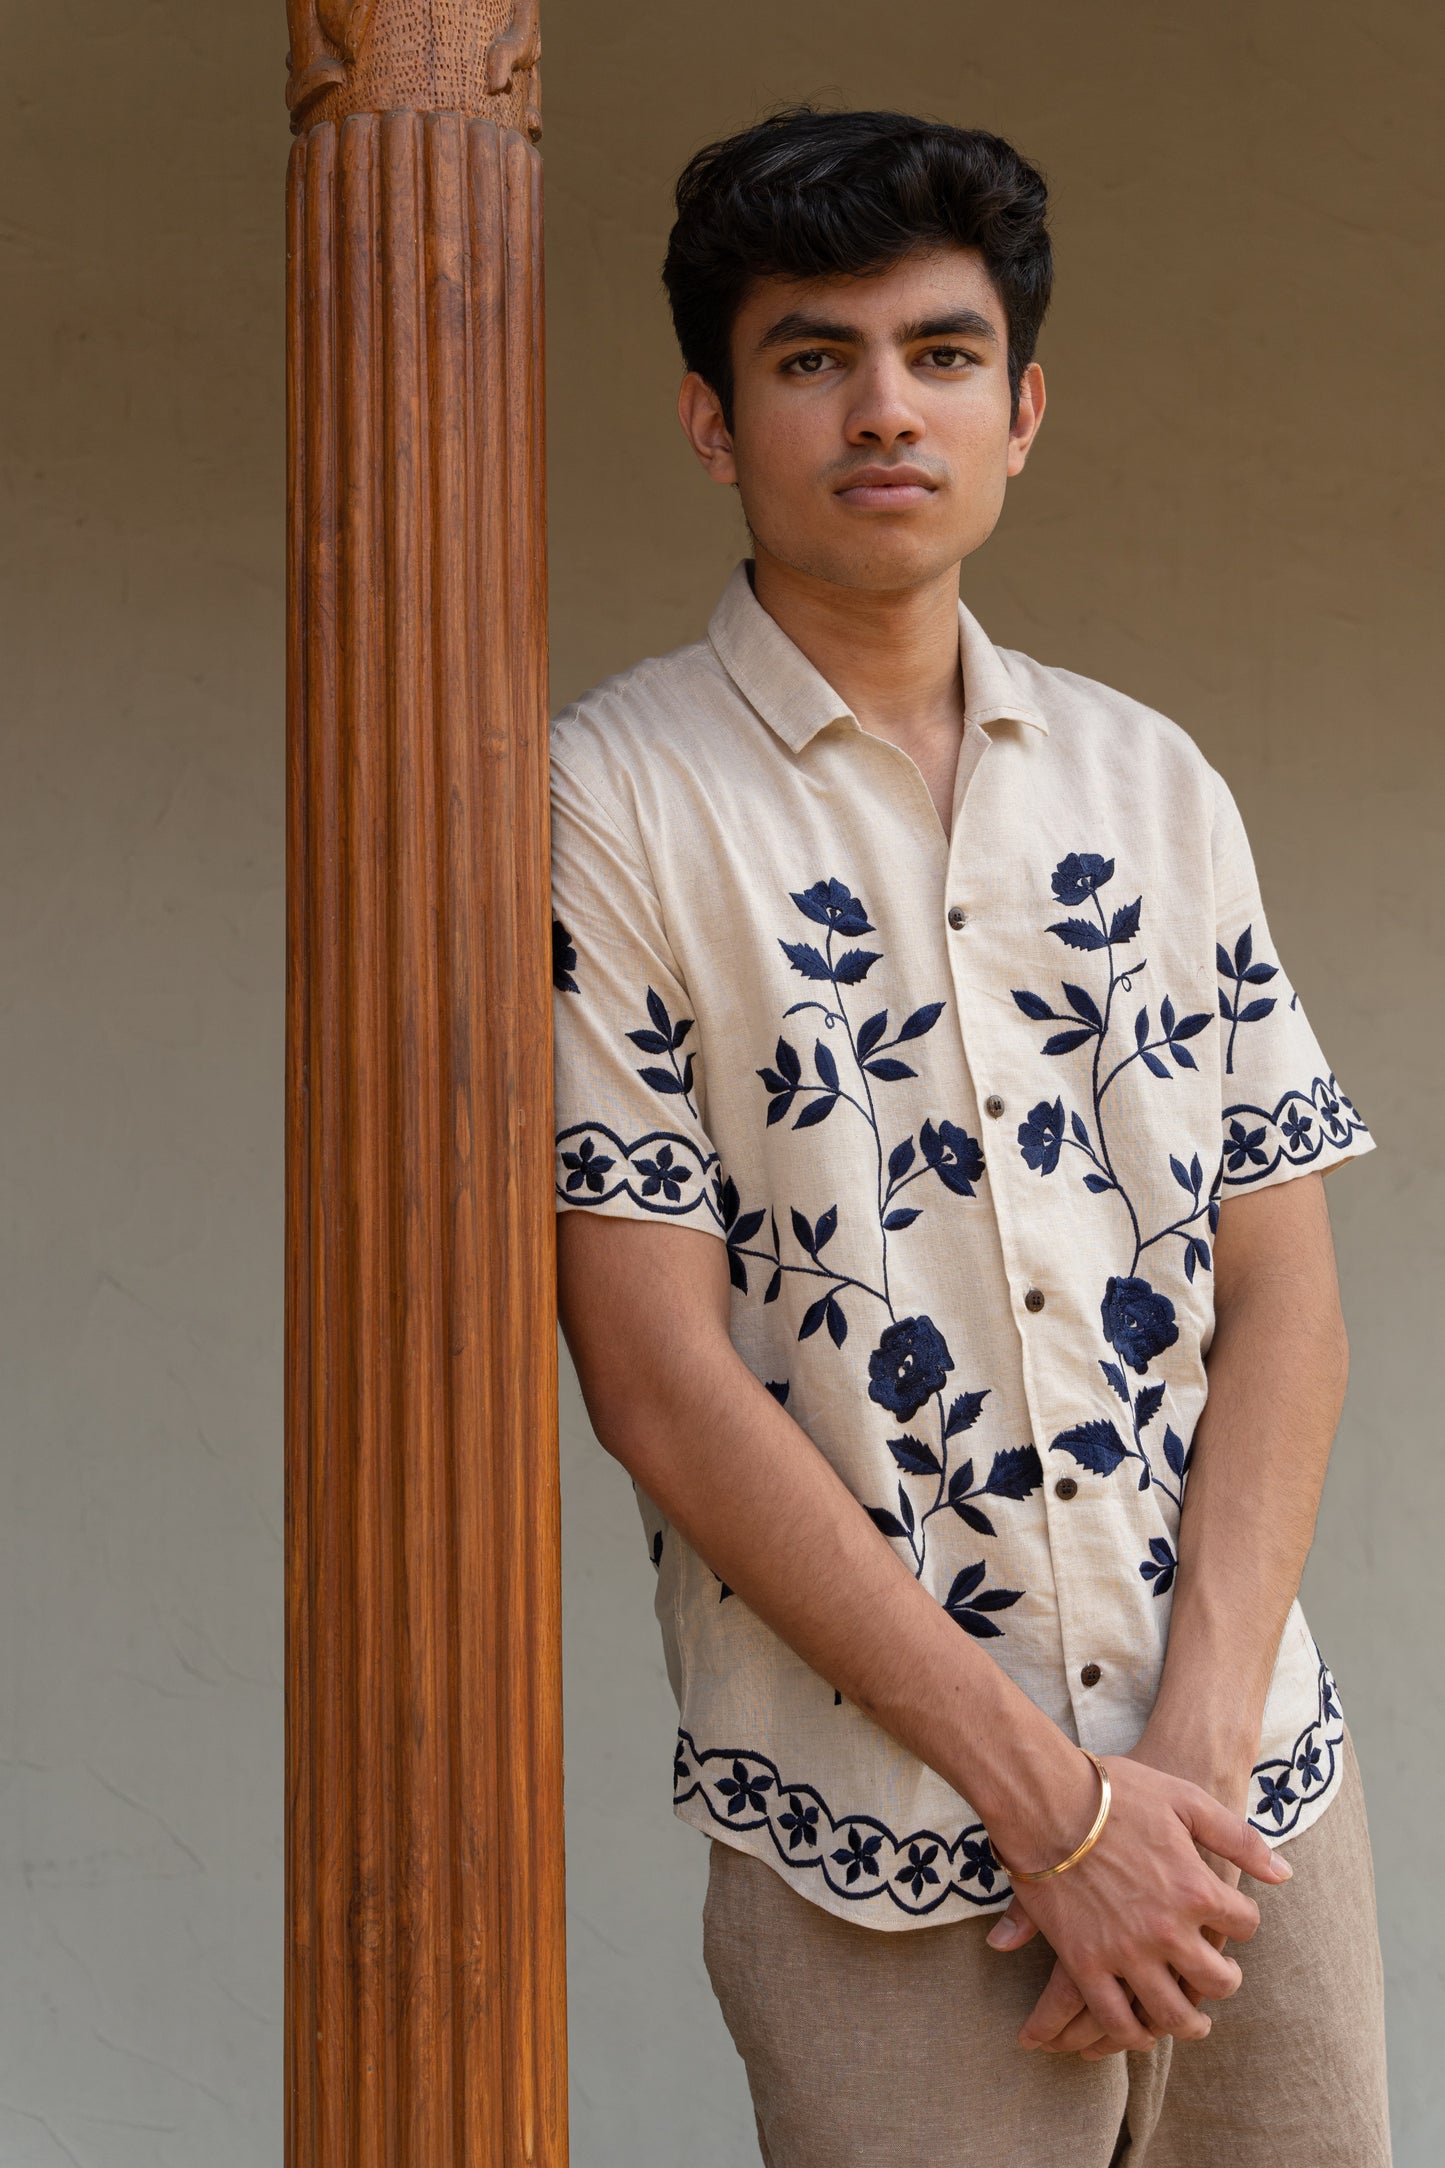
(798, 325)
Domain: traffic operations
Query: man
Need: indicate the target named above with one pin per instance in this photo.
(931, 1101)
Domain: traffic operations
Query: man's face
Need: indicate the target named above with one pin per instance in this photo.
(871, 439)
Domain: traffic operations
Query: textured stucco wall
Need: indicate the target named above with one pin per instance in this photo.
(1231, 512)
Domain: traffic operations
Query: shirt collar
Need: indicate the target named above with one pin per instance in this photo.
(774, 674)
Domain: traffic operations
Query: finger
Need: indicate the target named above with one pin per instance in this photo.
(1012, 1929)
(1234, 1914)
(1110, 2003)
(1163, 2005)
(1231, 1836)
(1206, 1970)
(1082, 2031)
(1066, 2002)
(1059, 2002)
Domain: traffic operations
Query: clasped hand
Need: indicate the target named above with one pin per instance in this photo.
(1139, 1925)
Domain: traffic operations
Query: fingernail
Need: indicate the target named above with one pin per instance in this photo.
(1283, 1869)
(1004, 1935)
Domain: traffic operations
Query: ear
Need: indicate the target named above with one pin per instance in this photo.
(700, 412)
(1024, 427)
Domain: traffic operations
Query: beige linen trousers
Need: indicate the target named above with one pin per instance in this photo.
(869, 2050)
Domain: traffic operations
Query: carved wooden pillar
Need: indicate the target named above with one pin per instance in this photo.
(425, 1982)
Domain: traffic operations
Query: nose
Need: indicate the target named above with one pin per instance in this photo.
(885, 407)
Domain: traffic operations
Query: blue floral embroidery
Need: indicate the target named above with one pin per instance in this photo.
(1138, 1320)
(1298, 1129)
(856, 1855)
(1286, 1784)
(1240, 971)
(910, 1362)
(665, 1037)
(564, 958)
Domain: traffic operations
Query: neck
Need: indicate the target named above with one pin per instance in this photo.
(890, 654)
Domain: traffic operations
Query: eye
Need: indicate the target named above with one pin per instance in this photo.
(812, 354)
(953, 353)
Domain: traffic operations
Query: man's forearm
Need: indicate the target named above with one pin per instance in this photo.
(1277, 1367)
(762, 1505)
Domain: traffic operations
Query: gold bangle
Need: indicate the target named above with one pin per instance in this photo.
(1018, 1875)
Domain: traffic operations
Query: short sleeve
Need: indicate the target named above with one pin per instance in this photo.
(1283, 1109)
(627, 1070)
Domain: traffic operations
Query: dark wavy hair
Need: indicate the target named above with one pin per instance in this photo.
(810, 193)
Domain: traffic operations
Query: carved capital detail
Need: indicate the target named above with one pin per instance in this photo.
(478, 57)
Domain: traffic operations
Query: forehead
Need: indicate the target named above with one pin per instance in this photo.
(879, 303)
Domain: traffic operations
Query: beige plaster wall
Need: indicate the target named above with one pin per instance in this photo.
(1231, 512)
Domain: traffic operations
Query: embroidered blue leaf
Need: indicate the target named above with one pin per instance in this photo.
(779, 1106)
(900, 1159)
(1080, 1128)
(1201, 1251)
(974, 1519)
(651, 1042)
(662, 1080)
(1082, 1002)
(913, 1456)
(965, 1412)
(681, 1029)
(1243, 950)
(960, 1483)
(1034, 1007)
(1182, 1055)
(1166, 1018)
(779, 1388)
(972, 1622)
(825, 1230)
(827, 1067)
(1148, 1401)
(1017, 1472)
(789, 1063)
(775, 1285)
(1116, 1378)
(837, 1322)
(888, 1069)
(888, 1522)
(903, 1217)
(1144, 1477)
(805, 958)
(1098, 1183)
(1125, 922)
(657, 1010)
(817, 1110)
(1224, 1008)
(1252, 1011)
(922, 1020)
(1080, 933)
(1189, 1027)
(1096, 1446)
(854, 964)
(1153, 1063)
(803, 1230)
(870, 1033)
(1196, 1171)
(1064, 1042)
(737, 1271)
(905, 1507)
(1181, 1175)
(1259, 974)
(965, 1583)
(1173, 1449)
(813, 1316)
(1189, 1262)
(743, 1229)
(1141, 1027)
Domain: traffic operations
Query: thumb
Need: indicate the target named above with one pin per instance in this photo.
(1012, 1928)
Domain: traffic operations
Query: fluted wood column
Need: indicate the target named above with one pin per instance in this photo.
(425, 1978)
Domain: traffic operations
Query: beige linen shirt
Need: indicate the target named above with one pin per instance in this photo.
(962, 1110)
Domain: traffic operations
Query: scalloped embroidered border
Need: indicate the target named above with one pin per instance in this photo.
(1249, 1149)
(869, 1860)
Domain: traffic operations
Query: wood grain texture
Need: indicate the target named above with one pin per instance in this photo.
(425, 1994)
(364, 56)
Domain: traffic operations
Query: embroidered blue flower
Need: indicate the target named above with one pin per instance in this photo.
(564, 957)
(1296, 1127)
(918, 1869)
(587, 1167)
(1042, 1135)
(1138, 1321)
(832, 903)
(1241, 1145)
(800, 1821)
(664, 1174)
(979, 1864)
(858, 1856)
(1307, 1762)
(743, 1792)
(1077, 876)
(955, 1157)
(909, 1365)
(1275, 1795)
